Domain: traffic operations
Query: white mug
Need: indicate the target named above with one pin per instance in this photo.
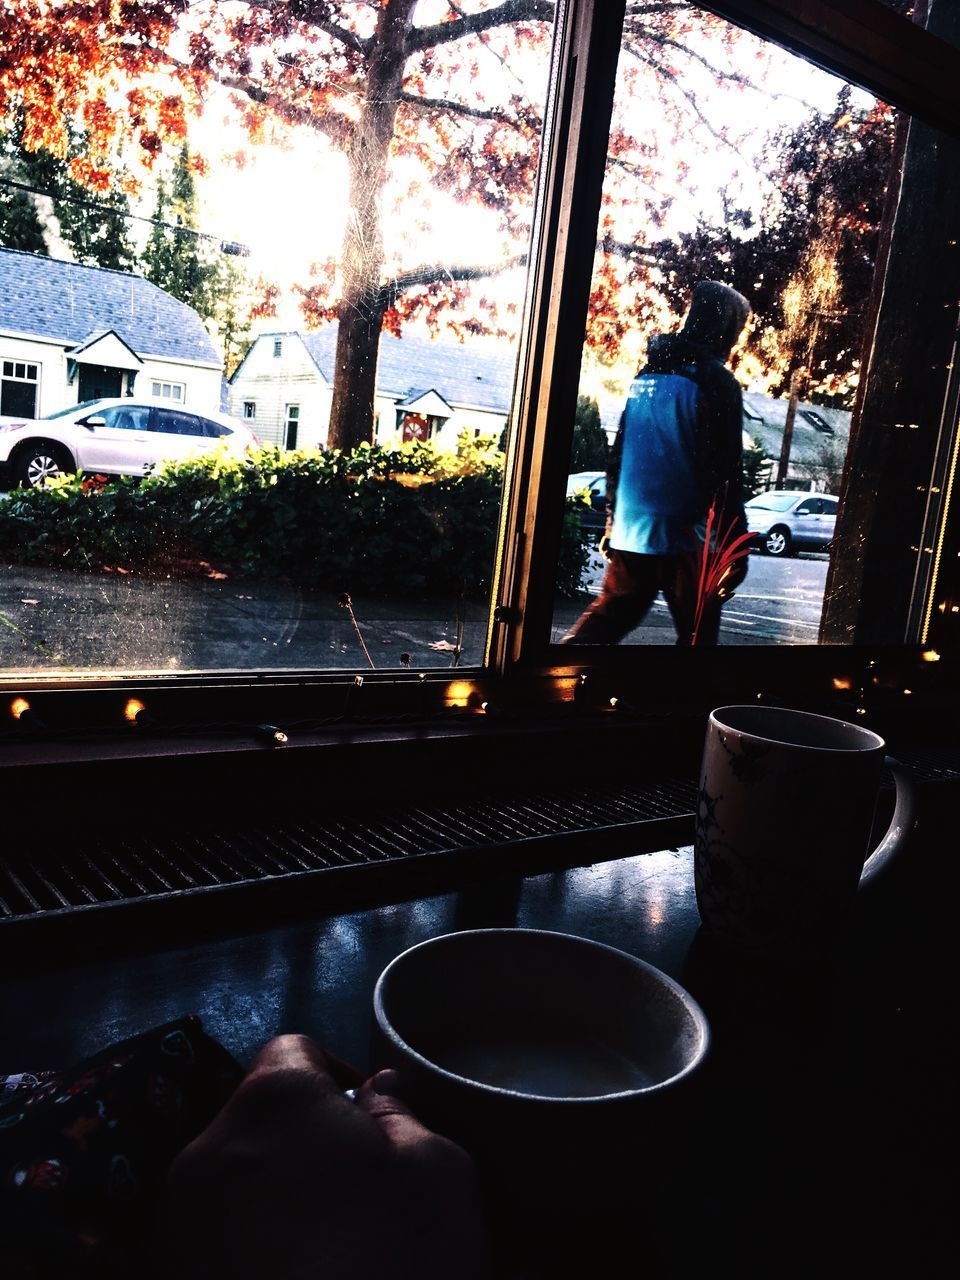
(784, 816)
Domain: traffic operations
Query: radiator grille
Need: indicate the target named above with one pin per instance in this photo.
(173, 862)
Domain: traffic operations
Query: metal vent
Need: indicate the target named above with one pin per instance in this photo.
(177, 862)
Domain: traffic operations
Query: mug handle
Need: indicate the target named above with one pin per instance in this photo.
(901, 824)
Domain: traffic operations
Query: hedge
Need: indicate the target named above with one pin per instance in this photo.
(406, 520)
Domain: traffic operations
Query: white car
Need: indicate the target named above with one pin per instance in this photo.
(120, 437)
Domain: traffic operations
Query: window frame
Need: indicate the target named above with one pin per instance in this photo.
(23, 382)
(869, 45)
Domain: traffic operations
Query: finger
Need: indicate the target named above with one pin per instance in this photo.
(378, 1098)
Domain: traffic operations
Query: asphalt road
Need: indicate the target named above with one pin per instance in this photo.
(56, 621)
(779, 602)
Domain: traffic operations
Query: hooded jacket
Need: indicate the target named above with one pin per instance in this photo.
(679, 446)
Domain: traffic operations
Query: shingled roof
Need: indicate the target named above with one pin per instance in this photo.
(475, 375)
(66, 302)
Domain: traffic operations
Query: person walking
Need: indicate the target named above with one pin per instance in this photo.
(678, 453)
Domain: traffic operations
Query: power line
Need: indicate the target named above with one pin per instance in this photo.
(231, 247)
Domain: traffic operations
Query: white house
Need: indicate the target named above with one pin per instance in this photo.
(70, 333)
(426, 390)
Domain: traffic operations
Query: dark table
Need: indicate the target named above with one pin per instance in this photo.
(826, 1106)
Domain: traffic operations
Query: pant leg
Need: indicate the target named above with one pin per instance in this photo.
(681, 580)
(629, 588)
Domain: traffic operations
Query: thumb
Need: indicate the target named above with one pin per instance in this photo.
(378, 1097)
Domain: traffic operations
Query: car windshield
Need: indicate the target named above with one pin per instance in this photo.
(773, 501)
(72, 408)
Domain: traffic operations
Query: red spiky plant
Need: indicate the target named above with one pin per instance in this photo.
(722, 548)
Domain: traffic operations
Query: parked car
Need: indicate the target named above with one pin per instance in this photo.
(117, 437)
(594, 485)
(784, 521)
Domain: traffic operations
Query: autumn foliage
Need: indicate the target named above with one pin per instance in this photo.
(426, 100)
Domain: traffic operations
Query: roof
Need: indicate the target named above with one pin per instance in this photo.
(477, 375)
(764, 418)
(70, 303)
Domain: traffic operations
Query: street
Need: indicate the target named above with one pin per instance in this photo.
(55, 621)
(779, 602)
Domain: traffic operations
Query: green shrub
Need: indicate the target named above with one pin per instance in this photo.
(406, 520)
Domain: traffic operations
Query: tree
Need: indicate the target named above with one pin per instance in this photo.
(192, 267)
(385, 89)
(806, 262)
(20, 224)
(589, 452)
(91, 226)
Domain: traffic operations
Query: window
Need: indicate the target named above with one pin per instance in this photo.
(817, 421)
(292, 426)
(169, 390)
(19, 388)
(126, 418)
(693, 257)
(215, 430)
(277, 348)
(249, 409)
(172, 422)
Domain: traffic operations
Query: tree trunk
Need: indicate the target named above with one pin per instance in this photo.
(363, 303)
(787, 442)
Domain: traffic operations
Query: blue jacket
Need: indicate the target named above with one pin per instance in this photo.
(679, 448)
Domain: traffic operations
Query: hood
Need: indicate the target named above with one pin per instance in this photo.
(716, 317)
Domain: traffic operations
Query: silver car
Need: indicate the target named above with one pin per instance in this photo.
(784, 521)
(125, 436)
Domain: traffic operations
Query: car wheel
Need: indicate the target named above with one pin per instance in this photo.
(777, 541)
(39, 462)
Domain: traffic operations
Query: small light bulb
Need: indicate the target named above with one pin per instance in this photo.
(614, 702)
(18, 707)
(133, 710)
(930, 655)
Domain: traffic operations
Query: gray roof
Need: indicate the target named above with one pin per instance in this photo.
(764, 418)
(67, 302)
(476, 375)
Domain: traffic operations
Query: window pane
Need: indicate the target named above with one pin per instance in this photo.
(132, 418)
(733, 283)
(300, 211)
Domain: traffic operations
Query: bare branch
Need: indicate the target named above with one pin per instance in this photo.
(623, 249)
(435, 273)
(343, 34)
(470, 24)
(420, 103)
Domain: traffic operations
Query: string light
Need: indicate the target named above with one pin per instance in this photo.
(19, 708)
(930, 655)
(271, 734)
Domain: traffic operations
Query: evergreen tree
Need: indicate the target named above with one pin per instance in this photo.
(589, 452)
(193, 268)
(175, 259)
(95, 236)
(20, 224)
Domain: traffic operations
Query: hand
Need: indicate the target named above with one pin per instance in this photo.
(293, 1180)
(603, 546)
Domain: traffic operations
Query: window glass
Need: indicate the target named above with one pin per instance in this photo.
(126, 417)
(391, 272)
(733, 287)
(181, 424)
(215, 430)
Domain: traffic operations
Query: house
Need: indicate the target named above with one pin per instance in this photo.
(70, 333)
(426, 390)
(818, 447)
